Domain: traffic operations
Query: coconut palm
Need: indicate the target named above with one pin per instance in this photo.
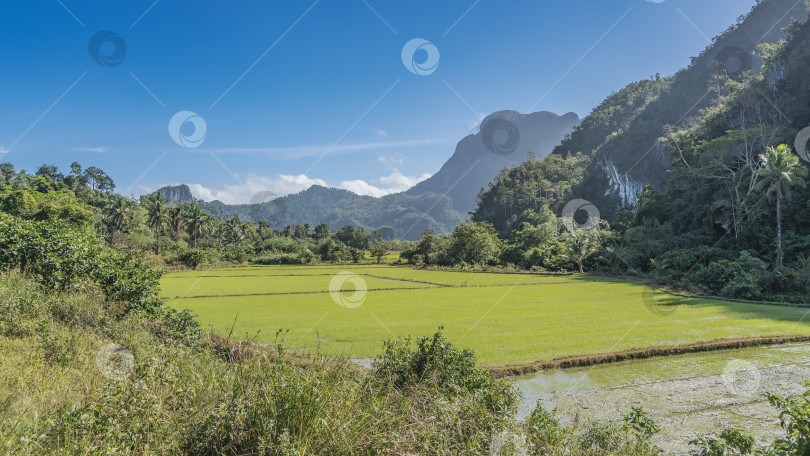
(780, 169)
(176, 221)
(234, 230)
(118, 211)
(197, 223)
(580, 244)
(158, 212)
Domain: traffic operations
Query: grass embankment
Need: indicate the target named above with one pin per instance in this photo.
(528, 321)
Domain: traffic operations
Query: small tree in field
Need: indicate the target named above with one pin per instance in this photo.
(378, 252)
(474, 243)
(428, 244)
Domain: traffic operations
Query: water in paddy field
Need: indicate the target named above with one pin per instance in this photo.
(688, 395)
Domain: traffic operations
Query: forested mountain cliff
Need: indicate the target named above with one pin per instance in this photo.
(623, 132)
(718, 203)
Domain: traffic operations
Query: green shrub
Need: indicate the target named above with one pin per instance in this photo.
(451, 371)
(64, 257)
(192, 258)
(732, 279)
(543, 430)
(278, 258)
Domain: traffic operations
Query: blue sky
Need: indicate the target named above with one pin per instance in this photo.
(300, 92)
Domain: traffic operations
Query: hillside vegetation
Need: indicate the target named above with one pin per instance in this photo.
(623, 133)
(732, 219)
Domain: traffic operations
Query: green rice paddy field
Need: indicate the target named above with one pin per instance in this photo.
(505, 318)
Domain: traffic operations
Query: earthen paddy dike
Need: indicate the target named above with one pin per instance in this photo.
(688, 395)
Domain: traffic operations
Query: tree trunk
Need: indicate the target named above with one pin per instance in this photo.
(778, 230)
(157, 246)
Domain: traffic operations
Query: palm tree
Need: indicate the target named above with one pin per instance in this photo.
(234, 230)
(197, 223)
(780, 169)
(158, 216)
(580, 244)
(118, 212)
(176, 221)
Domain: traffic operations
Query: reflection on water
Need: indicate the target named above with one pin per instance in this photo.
(546, 388)
(363, 362)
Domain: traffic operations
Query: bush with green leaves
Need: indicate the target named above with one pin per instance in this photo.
(794, 417)
(451, 371)
(192, 258)
(65, 257)
(732, 279)
(474, 243)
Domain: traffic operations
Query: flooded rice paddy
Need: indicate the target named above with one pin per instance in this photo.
(688, 395)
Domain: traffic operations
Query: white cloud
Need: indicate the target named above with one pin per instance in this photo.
(400, 182)
(391, 160)
(393, 183)
(98, 150)
(382, 132)
(283, 184)
(3, 151)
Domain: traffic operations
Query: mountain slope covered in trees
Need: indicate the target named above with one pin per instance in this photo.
(623, 132)
(731, 217)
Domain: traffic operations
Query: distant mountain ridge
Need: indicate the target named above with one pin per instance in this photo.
(439, 203)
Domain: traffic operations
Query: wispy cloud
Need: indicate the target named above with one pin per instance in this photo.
(310, 151)
(98, 150)
(391, 160)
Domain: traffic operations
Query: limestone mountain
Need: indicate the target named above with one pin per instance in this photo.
(623, 133)
(504, 140)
